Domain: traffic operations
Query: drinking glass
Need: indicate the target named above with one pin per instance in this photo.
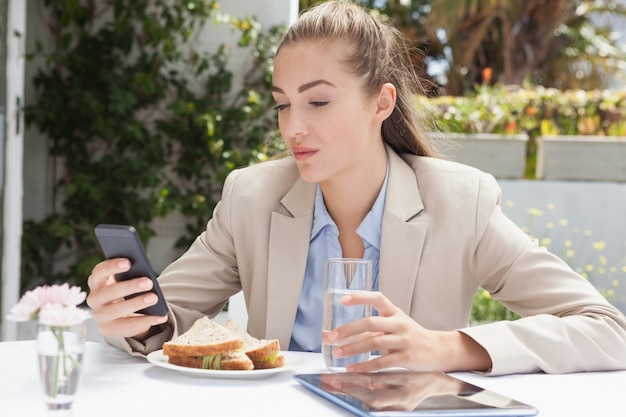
(60, 351)
(343, 276)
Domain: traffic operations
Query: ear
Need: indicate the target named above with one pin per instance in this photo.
(386, 101)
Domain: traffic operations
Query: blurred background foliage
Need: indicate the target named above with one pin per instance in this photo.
(140, 122)
(565, 44)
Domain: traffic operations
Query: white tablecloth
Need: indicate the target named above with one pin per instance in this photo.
(116, 384)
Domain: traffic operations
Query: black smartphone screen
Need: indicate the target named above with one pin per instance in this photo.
(123, 241)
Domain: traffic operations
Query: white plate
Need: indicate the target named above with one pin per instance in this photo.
(291, 361)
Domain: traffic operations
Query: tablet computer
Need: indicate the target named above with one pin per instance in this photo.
(407, 393)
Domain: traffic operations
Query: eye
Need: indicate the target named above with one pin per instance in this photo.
(319, 103)
(281, 107)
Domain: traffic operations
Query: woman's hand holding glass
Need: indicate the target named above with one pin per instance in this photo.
(402, 342)
(116, 316)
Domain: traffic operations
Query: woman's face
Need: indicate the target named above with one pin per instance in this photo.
(331, 127)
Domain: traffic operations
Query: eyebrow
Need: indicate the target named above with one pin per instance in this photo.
(305, 87)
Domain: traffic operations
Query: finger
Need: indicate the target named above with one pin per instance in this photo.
(105, 269)
(365, 343)
(113, 305)
(377, 364)
(117, 291)
(120, 318)
(370, 325)
(376, 299)
(130, 326)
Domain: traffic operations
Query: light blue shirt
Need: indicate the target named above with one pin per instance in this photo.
(324, 244)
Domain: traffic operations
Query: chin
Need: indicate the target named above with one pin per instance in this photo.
(307, 174)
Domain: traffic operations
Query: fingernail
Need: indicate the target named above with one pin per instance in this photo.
(346, 299)
(349, 368)
(333, 336)
(149, 299)
(145, 284)
(338, 353)
(123, 264)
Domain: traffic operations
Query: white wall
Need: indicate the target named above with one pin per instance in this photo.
(13, 151)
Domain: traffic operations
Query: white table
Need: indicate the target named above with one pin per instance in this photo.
(116, 384)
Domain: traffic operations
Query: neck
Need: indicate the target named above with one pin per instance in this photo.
(349, 198)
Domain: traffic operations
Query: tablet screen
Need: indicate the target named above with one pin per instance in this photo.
(405, 393)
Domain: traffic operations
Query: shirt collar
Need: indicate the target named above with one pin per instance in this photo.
(321, 217)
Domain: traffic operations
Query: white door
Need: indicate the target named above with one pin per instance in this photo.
(12, 159)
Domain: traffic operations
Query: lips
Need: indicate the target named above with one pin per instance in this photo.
(301, 154)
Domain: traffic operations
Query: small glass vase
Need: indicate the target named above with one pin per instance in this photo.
(60, 351)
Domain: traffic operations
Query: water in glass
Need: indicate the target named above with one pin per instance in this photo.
(60, 351)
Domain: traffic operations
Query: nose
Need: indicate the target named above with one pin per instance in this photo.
(292, 124)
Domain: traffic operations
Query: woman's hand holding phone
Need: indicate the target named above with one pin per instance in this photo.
(124, 292)
(114, 303)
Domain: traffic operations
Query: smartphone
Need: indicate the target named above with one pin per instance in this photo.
(123, 241)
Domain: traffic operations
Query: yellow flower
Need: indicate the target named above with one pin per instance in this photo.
(598, 246)
(577, 249)
(546, 241)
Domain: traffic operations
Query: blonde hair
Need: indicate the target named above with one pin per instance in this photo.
(380, 54)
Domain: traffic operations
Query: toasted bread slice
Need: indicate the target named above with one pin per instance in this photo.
(204, 338)
(265, 354)
(236, 361)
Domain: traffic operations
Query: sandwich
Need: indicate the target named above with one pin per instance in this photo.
(264, 354)
(209, 345)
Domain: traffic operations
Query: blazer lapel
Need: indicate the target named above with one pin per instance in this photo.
(401, 232)
(290, 234)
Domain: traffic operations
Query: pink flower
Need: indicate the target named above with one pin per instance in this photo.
(28, 306)
(62, 316)
(64, 295)
(34, 302)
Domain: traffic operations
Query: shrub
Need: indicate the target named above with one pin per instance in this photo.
(534, 111)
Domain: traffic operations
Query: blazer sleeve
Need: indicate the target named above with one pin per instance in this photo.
(566, 325)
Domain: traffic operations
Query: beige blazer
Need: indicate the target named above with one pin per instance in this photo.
(443, 236)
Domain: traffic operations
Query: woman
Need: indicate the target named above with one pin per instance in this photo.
(362, 182)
